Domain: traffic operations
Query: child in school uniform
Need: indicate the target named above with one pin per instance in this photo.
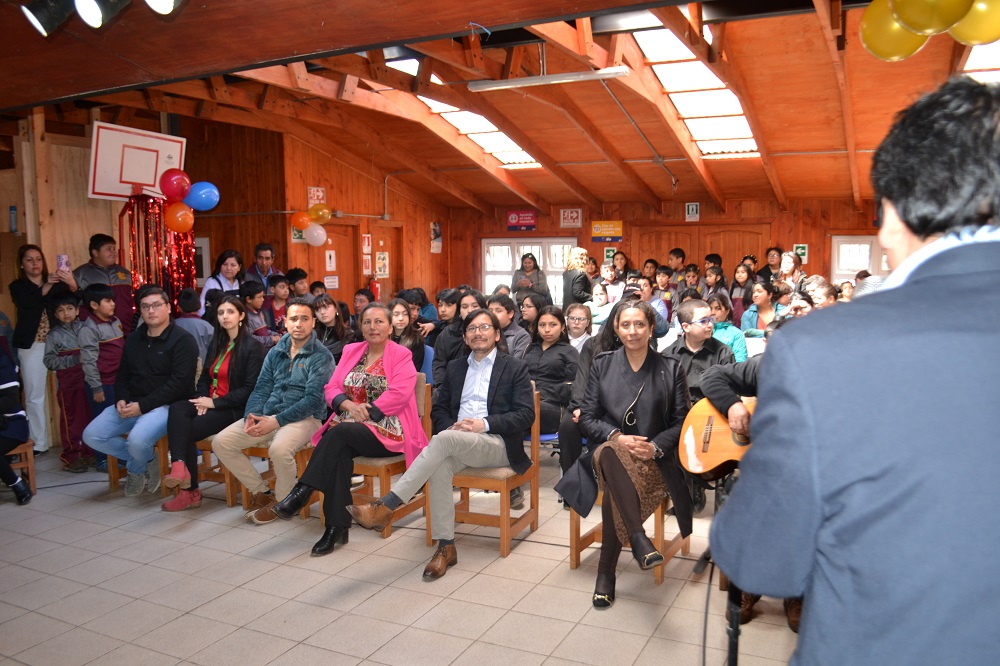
(102, 339)
(202, 331)
(62, 355)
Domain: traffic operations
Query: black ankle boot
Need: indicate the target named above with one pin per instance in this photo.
(332, 536)
(22, 492)
(644, 550)
(294, 502)
(604, 591)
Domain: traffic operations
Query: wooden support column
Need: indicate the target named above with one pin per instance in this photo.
(41, 185)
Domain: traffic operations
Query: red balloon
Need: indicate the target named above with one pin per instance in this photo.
(175, 185)
(301, 220)
(178, 217)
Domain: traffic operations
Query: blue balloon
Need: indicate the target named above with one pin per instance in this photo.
(202, 196)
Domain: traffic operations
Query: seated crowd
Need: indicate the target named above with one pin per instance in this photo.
(262, 359)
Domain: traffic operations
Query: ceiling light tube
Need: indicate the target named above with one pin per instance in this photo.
(164, 6)
(96, 13)
(47, 15)
(550, 79)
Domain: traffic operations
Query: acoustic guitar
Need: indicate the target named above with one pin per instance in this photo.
(707, 441)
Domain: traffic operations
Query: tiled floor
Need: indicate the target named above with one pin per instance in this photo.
(92, 577)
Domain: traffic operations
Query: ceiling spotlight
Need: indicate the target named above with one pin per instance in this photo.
(96, 13)
(164, 6)
(47, 15)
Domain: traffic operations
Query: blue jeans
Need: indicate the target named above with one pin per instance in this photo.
(106, 433)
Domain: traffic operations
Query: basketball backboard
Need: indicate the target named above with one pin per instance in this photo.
(126, 161)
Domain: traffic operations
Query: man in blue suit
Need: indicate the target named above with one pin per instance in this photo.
(874, 420)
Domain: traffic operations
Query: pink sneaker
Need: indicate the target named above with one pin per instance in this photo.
(179, 476)
(186, 499)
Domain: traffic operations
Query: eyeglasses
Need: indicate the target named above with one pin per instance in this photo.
(481, 328)
(147, 307)
(576, 320)
(704, 321)
(527, 306)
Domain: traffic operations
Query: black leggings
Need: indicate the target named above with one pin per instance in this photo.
(332, 465)
(570, 442)
(6, 472)
(619, 487)
(185, 428)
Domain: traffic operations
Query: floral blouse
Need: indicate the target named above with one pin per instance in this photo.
(365, 383)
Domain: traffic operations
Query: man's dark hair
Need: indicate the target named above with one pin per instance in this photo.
(147, 290)
(632, 275)
(773, 249)
(367, 293)
(648, 280)
(664, 270)
(301, 300)
(506, 302)
(938, 163)
(278, 279)
(97, 241)
(317, 285)
(410, 296)
(263, 247)
(774, 326)
(678, 253)
(713, 258)
(655, 263)
(250, 288)
(296, 274)
(95, 293)
(685, 311)
(469, 318)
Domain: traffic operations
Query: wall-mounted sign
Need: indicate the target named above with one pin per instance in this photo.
(316, 195)
(331, 281)
(609, 253)
(381, 264)
(571, 218)
(802, 249)
(436, 240)
(366, 264)
(607, 231)
(521, 220)
(298, 236)
(366, 243)
(331, 260)
(692, 212)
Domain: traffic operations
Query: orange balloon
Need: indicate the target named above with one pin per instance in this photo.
(178, 217)
(301, 220)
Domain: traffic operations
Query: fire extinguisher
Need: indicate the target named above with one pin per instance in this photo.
(375, 288)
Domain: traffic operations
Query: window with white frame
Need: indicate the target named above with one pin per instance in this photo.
(502, 256)
(856, 253)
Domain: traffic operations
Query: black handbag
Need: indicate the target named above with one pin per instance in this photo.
(578, 487)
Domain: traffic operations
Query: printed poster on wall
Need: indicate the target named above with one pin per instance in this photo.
(521, 220)
(571, 218)
(606, 231)
(366, 243)
(435, 238)
(381, 265)
(298, 236)
(366, 264)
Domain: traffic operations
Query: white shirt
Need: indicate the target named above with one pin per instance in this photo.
(477, 388)
(578, 342)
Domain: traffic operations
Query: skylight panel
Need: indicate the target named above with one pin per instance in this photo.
(493, 142)
(992, 76)
(662, 46)
(514, 157)
(467, 122)
(727, 146)
(410, 66)
(986, 56)
(729, 127)
(685, 76)
(707, 103)
(436, 106)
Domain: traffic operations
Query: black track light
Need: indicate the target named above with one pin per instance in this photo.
(96, 13)
(47, 15)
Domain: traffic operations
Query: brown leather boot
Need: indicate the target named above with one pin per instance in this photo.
(444, 557)
(793, 613)
(258, 501)
(747, 602)
(373, 516)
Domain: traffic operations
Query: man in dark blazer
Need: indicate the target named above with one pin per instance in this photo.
(481, 411)
(875, 418)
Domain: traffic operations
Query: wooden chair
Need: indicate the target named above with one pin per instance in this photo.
(301, 460)
(501, 480)
(116, 471)
(385, 468)
(579, 542)
(26, 463)
(209, 469)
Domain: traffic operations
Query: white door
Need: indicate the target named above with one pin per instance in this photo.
(856, 253)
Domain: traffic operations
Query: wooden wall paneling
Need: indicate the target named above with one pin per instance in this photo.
(731, 242)
(10, 195)
(387, 237)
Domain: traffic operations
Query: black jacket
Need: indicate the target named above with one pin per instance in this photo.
(450, 345)
(327, 337)
(724, 384)
(658, 395)
(244, 368)
(510, 406)
(553, 371)
(30, 304)
(157, 371)
(576, 288)
(712, 352)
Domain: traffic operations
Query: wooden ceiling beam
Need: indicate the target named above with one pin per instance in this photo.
(729, 73)
(356, 65)
(959, 56)
(458, 56)
(406, 105)
(828, 23)
(572, 42)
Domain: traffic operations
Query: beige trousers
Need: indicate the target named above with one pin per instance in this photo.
(282, 445)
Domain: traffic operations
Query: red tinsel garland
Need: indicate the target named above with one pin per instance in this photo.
(156, 255)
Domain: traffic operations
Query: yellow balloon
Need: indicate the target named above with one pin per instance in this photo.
(929, 17)
(320, 213)
(884, 38)
(980, 26)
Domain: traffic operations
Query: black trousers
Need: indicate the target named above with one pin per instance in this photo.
(618, 487)
(332, 465)
(550, 413)
(185, 428)
(570, 442)
(6, 472)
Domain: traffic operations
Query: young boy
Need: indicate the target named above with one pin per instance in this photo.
(62, 355)
(252, 295)
(298, 279)
(202, 331)
(102, 339)
(274, 310)
(663, 290)
(317, 288)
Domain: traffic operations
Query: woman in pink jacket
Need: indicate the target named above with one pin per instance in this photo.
(374, 415)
